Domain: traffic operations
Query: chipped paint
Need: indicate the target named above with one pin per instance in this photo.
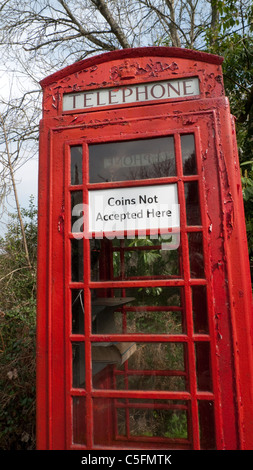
(226, 275)
(135, 70)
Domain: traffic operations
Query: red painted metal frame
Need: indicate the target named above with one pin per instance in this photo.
(227, 278)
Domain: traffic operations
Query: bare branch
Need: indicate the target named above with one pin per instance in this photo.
(84, 32)
(173, 27)
(10, 167)
(14, 271)
(104, 10)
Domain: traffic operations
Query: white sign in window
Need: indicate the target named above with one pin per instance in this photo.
(134, 209)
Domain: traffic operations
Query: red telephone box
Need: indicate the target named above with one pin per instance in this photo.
(144, 292)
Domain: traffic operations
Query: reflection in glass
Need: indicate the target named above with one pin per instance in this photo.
(77, 311)
(196, 255)
(79, 420)
(103, 421)
(203, 366)
(164, 419)
(78, 365)
(188, 154)
(206, 425)
(156, 296)
(150, 366)
(136, 258)
(149, 310)
(132, 160)
(192, 203)
(161, 419)
(168, 322)
(76, 165)
(199, 308)
(150, 262)
(76, 260)
(153, 418)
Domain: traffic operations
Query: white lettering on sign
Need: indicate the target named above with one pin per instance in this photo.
(139, 208)
(181, 88)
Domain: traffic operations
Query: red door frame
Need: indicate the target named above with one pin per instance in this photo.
(227, 279)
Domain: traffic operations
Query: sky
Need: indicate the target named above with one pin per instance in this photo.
(27, 182)
(27, 186)
(26, 176)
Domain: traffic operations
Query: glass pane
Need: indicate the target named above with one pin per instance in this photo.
(131, 320)
(140, 366)
(192, 203)
(199, 307)
(151, 310)
(207, 425)
(157, 296)
(196, 255)
(203, 366)
(188, 154)
(103, 421)
(132, 160)
(151, 262)
(164, 419)
(79, 420)
(137, 258)
(78, 365)
(76, 211)
(76, 165)
(77, 311)
(153, 420)
(77, 260)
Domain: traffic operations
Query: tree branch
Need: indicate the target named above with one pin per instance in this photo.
(15, 193)
(86, 34)
(173, 27)
(117, 31)
(169, 22)
(214, 21)
(14, 271)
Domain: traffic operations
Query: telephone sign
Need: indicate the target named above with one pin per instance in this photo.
(144, 336)
(132, 94)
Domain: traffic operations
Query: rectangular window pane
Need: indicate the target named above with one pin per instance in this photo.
(192, 203)
(188, 154)
(132, 320)
(141, 420)
(207, 425)
(103, 421)
(203, 366)
(196, 255)
(149, 419)
(76, 211)
(152, 310)
(77, 311)
(79, 420)
(150, 366)
(137, 258)
(78, 365)
(77, 260)
(132, 160)
(157, 263)
(199, 307)
(76, 165)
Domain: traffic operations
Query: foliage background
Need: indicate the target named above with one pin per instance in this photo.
(17, 334)
(39, 37)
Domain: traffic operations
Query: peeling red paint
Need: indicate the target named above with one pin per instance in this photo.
(226, 279)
